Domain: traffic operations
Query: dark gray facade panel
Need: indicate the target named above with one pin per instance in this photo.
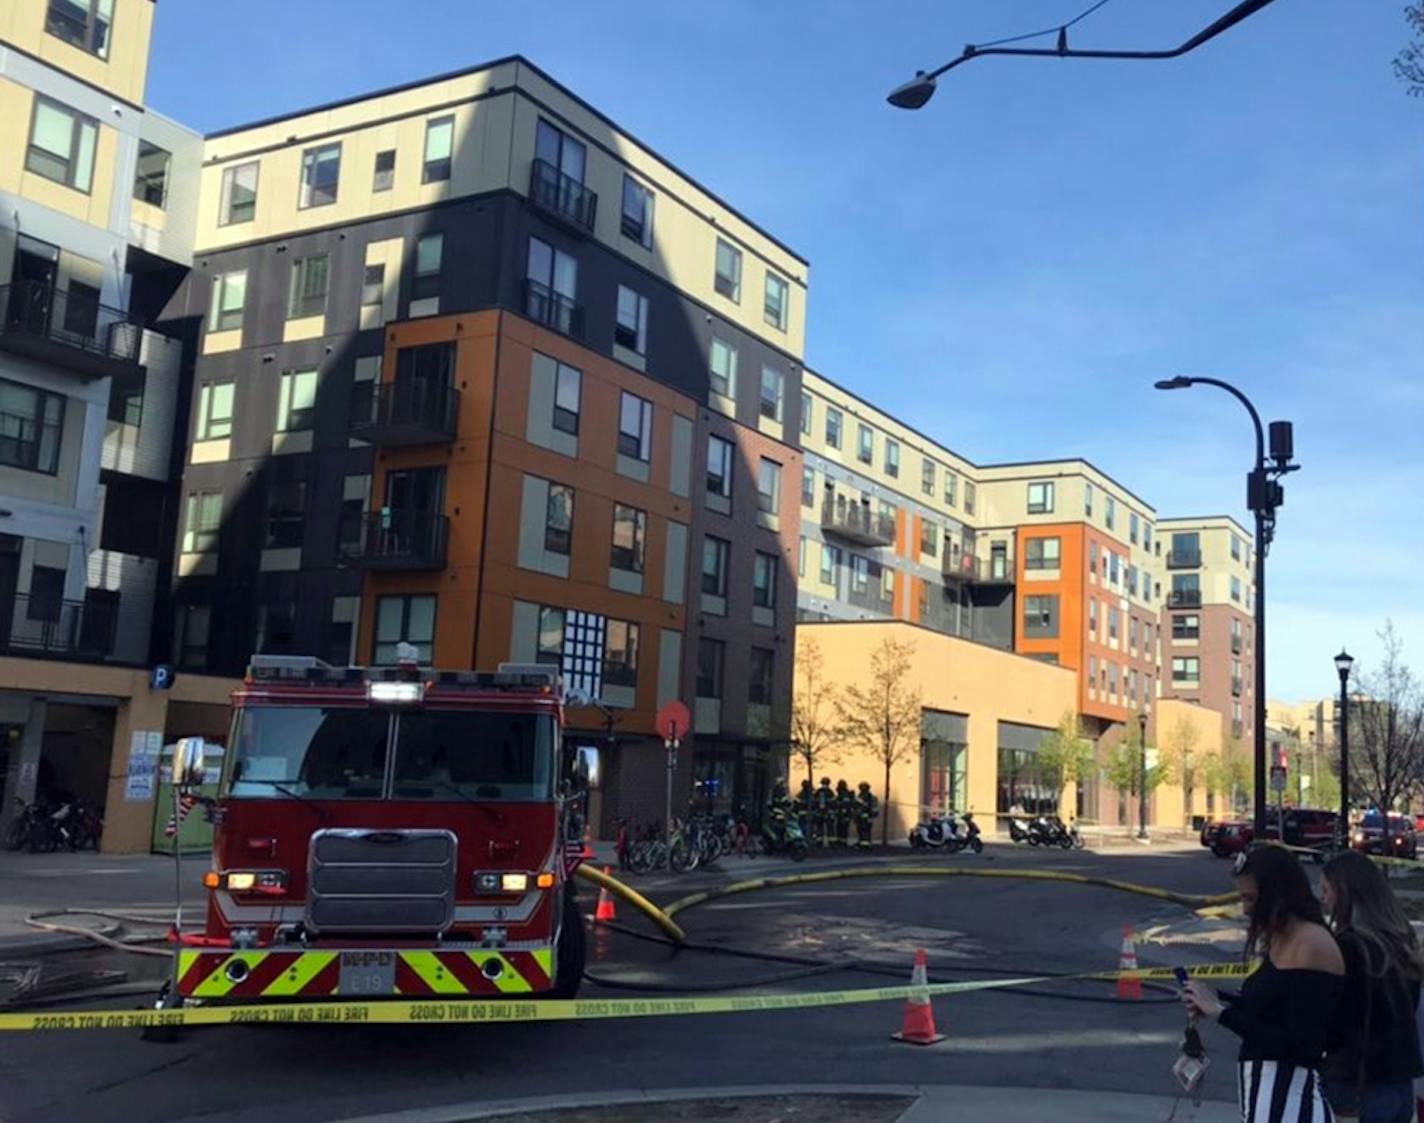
(994, 617)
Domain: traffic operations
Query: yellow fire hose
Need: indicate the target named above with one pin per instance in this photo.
(659, 917)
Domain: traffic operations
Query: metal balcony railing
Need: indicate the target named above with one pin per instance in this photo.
(408, 411)
(1184, 598)
(856, 522)
(400, 539)
(45, 323)
(47, 626)
(562, 196)
(545, 306)
(1184, 559)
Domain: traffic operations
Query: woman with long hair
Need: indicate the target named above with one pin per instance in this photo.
(1374, 1048)
(1286, 1007)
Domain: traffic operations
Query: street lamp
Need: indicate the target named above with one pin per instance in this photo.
(919, 89)
(1263, 496)
(1142, 786)
(1343, 663)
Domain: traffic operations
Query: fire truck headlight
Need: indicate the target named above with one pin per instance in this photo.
(273, 883)
(396, 693)
(514, 883)
(241, 881)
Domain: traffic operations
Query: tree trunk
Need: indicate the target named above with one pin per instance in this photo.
(885, 810)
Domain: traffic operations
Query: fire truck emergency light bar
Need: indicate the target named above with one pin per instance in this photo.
(395, 684)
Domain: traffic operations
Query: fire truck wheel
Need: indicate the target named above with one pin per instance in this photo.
(572, 950)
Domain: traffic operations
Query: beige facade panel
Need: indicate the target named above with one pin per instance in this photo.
(123, 67)
(17, 106)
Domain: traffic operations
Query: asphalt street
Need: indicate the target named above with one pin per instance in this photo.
(863, 932)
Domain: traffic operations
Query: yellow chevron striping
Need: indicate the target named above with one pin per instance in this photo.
(509, 981)
(433, 972)
(218, 984)
(301, 971)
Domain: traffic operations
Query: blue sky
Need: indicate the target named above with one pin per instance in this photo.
(1014, 265)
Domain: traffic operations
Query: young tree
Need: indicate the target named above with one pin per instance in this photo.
(1066, 756)
(1237, 771)
(1409, 63)
(1123, 767)
(1180, 757)
(815, 735)
(1387, 730)
(884, 715)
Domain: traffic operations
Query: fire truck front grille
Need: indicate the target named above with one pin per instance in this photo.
(381, 881)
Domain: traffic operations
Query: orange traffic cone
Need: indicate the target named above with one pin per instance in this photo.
(605, 901)
(919, 1027)
(1128, 987)
(587, 854)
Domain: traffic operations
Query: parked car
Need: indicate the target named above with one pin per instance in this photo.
(1235, 836)
(1304, 826)
(1368, 835)
(1310, 828)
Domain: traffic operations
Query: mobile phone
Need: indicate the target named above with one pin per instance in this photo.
(1181, 975)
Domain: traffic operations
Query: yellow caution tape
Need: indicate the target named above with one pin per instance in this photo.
(407, 1011)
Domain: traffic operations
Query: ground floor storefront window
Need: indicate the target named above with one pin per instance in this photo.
(1023, 789)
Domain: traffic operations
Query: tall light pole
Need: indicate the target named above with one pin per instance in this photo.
(1343, 663)
(1142, 775)
(1263, 495)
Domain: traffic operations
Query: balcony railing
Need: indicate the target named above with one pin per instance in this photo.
(408, 411)
(45, 626)
(856, 522)
(552, 309)
(400, 539)
(65, 329)
(1183, 559)
(562, 196)
(1184, 598)
(991, 571)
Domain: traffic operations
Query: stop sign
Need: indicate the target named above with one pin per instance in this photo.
(673, 721)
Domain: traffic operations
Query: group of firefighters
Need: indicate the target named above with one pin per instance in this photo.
(825, 813)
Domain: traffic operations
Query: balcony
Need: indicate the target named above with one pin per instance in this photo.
(51, 326)
(1184, 559)
(968, 568)
(856, 522)
(408, 411)
(562, 197)
(552, 309)
(400, 539)
(60, 628)
(1236, 686)
(1184, 598)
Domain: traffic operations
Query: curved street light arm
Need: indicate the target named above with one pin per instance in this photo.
(1245, 401)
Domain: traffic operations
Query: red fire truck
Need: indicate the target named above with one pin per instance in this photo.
(391, 831)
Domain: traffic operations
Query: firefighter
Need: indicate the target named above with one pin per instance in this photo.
(805, 806)
(845, 812)
(867, 807)
(825, 811)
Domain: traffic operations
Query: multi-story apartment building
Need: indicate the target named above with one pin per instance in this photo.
(91, 232)
(479, 371)
(1208, 627)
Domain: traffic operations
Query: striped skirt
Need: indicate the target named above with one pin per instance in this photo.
(1276, 1092)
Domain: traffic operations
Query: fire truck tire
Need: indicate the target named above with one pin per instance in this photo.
(572, 950)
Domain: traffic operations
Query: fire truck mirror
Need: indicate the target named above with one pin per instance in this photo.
(587, 767)
(188, 770)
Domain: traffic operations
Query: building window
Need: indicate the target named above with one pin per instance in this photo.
(801, 559)
(1092, 672)
(229, 301)
(892, 457)
(772, 385)
(190, 638)
(715, 553)
(239, 194)
(430, 362)
(929, 538)
(1132, 580)
(970, 494)
(1040, 497)
(759, 684)
(126, 399)
(549, 640)
(859, 574)
(769, 487)
(1132, 527)
(286, 513)
(31, 422)
(1186, 669)
(1186, 627)
(764, 581)
(865, 445)
(631, 329)
(1235, 588)
(559, 520)
(373, 286)
(635, 428)
(1109, 511)
(321, 170)
(1093, 615)
(711, 655)
(728, 280)
(629, 530)
(1041, 617)
(636, 221)
(404, 620)
(151, 175)
(560, 151)
(1134, 632)
(296, 401)
(1114, 622)
(830, 560)
(927, 477)
(215, 411)
(82, 23)
(1147, 536)
(309, 284)
(62, 144)
(429, 252)
(774, 306)
(1235, 548)
(808, 486)
(719, 467)
(722, 363)
(568, 383)
(1114, 569)
(1112, 679)
(1087, 498)
(350, 517)
(1042, 553)
(203, 522)
(383, 177)
(950, 484)
(439, 145)
(833, 427)
(805, 414)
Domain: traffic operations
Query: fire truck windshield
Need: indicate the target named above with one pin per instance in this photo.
(310, 752)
